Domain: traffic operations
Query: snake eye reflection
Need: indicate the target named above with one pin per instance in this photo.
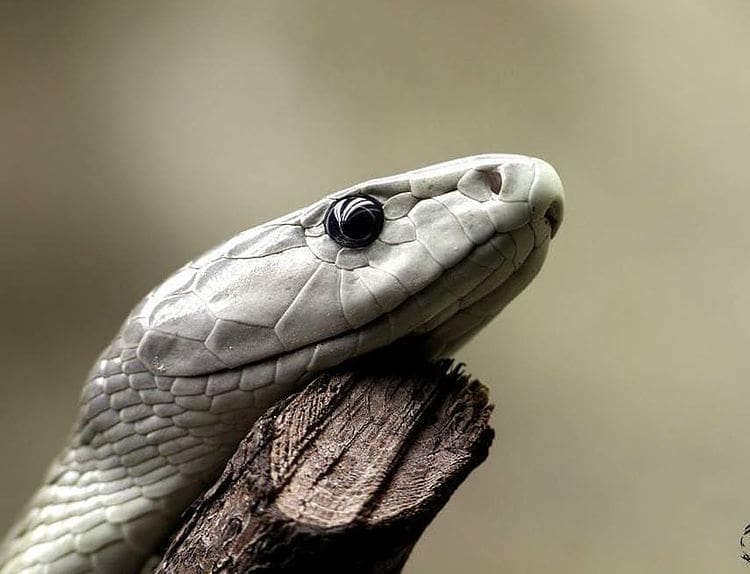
(354, 221)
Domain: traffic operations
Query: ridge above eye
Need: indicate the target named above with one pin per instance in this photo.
(354, 221)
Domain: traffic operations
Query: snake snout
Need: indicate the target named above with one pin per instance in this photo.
(547, 196)
(553, 215)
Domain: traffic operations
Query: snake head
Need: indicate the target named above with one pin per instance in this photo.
(433, 253)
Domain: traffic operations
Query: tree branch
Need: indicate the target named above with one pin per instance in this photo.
(341, 477)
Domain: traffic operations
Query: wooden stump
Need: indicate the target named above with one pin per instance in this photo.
(341, 477)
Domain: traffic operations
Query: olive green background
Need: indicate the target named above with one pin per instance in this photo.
(135, 135)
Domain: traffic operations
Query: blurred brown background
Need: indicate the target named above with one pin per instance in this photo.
(135, 135)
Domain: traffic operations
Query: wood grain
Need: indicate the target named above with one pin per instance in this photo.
(341, 477)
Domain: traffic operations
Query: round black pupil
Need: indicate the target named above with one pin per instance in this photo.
(356, 219)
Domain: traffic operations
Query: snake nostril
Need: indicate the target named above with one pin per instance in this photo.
(495, 181)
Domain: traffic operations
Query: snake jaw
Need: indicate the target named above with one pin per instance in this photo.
(286, 285)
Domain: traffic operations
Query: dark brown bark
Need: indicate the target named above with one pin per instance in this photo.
(342, 477)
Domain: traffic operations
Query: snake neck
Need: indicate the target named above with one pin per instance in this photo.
(143, 448)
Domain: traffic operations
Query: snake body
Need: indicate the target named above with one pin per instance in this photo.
(245, 324)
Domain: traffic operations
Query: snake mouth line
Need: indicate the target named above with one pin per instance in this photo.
(431, 313)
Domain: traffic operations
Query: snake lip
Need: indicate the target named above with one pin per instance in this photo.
(397, 323)
(480, 299)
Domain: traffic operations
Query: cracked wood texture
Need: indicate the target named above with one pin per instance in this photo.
(341, 477)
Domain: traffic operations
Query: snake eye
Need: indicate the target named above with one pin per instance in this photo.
(354, 221)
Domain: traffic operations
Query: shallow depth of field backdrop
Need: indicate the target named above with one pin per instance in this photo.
(135, 135)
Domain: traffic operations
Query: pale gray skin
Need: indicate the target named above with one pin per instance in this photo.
(229, 334)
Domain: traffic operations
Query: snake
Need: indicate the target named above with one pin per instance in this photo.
(428, 256)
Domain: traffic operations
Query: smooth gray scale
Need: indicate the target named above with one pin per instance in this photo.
(245, 324)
